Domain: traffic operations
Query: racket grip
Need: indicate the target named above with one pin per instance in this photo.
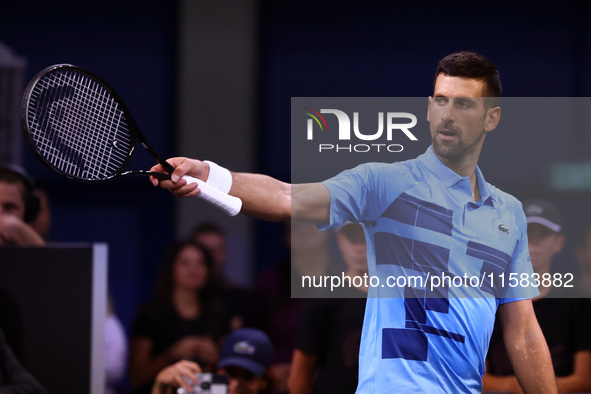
(229, 204)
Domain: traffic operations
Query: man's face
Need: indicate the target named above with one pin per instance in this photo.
(543, 245)
(242, 381)
(353, 247)
(11, 199)
(216, 245)
(458, 118)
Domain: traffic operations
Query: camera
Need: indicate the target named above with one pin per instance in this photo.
(208, 384)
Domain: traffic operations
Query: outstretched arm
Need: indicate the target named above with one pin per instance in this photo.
(527, 348)
(262, 196)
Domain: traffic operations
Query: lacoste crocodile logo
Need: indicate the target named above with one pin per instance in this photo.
(503, 229)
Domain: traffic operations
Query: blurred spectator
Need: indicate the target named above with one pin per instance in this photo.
(326, 358)
(245, 359)
(182, 321)
(233, 297)
(116, 349)
(565, 322)
(275, 311)
(11, 323)
(13, 377)
(19, 206)
(42, 222)
(583, 283)
(213, 238)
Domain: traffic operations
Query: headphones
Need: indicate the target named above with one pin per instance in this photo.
(32, 199)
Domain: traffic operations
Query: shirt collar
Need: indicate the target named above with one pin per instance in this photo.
(448, 177)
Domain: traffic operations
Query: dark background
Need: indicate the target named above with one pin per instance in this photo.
(56, 341)
(305, 48)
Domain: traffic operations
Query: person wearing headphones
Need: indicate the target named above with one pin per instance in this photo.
(19, 206)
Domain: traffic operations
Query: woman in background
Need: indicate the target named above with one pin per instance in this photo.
(183, 319)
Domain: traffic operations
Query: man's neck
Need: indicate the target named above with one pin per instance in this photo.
(465, 168)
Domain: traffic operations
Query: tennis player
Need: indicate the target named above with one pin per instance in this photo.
(435, 214)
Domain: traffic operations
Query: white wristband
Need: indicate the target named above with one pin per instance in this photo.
(219, 177)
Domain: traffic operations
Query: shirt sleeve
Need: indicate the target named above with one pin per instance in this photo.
(363, 193)
(519, 283)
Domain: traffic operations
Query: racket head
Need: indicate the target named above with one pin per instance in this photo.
(77, 125)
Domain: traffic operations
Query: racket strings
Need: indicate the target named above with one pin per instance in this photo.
(95, 145)
(78, 126)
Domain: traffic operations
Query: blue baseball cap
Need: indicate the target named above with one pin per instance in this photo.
(248, 348)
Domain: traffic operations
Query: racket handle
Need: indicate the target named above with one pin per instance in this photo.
(229, 204)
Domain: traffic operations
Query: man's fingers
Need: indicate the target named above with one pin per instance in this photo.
(190, 190)
(183, 383)
(177, 185)
(182, 168)
(188, 370)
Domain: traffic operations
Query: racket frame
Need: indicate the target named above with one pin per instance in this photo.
(134, 131)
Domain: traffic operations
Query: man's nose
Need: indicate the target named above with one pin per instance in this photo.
(447, 114)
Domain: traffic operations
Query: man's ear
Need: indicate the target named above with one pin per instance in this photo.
(493, 117)
(429, 99)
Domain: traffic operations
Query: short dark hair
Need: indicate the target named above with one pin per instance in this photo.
(207, 227)
(9, 175)
(473, 65)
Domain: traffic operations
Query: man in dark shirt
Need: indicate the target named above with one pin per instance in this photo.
(327, 346)
(565, 322)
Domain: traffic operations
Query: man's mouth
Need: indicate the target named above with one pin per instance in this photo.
(447, 133)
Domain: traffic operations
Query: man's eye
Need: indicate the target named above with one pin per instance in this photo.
(9, 208)
(441, 100)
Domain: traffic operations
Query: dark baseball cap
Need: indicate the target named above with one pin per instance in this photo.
(248, 348)
(545, 213)
(353, 232)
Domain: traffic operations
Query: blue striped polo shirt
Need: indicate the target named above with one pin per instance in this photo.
(420, 222)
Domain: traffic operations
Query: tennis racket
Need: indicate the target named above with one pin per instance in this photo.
(79, 127)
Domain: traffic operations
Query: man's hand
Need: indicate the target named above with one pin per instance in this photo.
(182, 166)
(14, 231)
(174, 376)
